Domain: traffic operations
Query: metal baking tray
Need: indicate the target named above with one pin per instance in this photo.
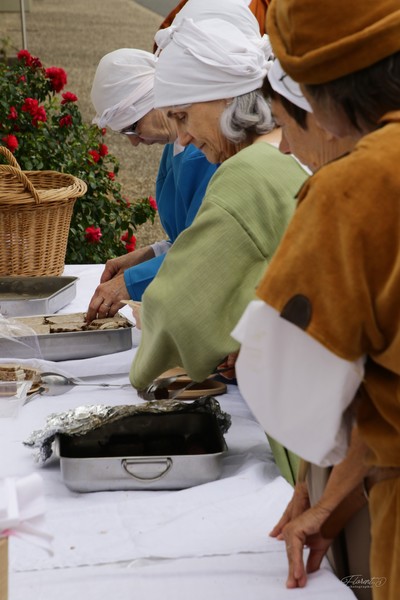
(144, 451)
(72, 345)
(22, 296)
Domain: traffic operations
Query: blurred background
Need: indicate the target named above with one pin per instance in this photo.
(75, 35)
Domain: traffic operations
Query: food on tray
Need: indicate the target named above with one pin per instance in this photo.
(11, 376)
(72, 323)
(17, 372)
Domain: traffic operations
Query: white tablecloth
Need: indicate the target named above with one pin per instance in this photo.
(210, 541)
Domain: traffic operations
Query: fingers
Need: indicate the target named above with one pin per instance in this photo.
(100, 309)
(106, 300)
(297, 576)
(314, 559)
(318, 548)
(229, 362)
(111, 269)
(284, 520)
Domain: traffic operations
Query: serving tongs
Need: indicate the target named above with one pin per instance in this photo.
(159, 388)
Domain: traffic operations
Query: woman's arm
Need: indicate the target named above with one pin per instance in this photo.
(308, 528)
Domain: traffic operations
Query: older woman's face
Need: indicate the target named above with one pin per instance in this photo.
(313, 146)
(153, 128)
(199, 124)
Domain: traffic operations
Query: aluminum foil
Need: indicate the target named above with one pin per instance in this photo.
(83, 419)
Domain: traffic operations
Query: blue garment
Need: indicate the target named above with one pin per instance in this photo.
(180, 187)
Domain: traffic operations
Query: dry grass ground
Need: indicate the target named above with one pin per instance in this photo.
(74, 35)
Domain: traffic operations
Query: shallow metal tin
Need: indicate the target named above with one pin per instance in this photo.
(75, 345)
(22, 296)
(72, 345)
(132, 454)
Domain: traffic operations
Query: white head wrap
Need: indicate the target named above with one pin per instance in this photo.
(122, 90)
(236, 12)
(209, 60)
(284, 85)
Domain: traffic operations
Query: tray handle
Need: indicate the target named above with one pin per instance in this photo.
(164, 463)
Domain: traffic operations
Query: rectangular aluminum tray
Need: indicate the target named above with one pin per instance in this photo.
(72, 345)
(132, 454)
(22, 296)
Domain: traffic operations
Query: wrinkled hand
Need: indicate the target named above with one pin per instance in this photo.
(229, 362)
(305, 530)
(299, 503)
(112, 268)
(106, 299)
(117, 266)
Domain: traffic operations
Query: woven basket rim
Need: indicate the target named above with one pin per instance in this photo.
(15, 192)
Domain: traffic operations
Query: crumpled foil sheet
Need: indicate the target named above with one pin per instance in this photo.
(83, 419)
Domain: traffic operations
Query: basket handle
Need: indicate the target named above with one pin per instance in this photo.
(10, 157)
(22, 178)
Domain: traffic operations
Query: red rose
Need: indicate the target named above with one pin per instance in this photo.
(68, 97)
(58, 78)
(13, 115)
(126, 202)
(11, 142)
(65, 121)
(21, 78)
(25, 56)
(153, 203)
(111, 175)
(40, 115)
(95, 155)
(30, 106)
(93, 234)
(130, 242)
(103, 131)
(103, 150)
(131, 246)
(36, 63)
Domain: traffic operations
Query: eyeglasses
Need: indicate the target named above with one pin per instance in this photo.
(130, 130)
(291, 86)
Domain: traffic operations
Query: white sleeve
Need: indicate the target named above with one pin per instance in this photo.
(297, 389)
(161, 247)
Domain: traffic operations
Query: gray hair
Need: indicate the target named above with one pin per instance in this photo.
(245, 115)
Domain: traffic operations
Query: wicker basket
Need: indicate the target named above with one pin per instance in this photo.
(3, 569)
(35, 216)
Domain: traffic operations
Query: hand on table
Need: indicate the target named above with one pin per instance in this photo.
(299, 503)
(106, 300)
(305, 530)
(229, 361)
(117, 266)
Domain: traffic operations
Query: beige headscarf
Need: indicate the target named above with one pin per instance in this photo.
(319, 41)
(122, 90)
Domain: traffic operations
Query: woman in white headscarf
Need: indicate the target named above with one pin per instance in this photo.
(207, 81)
(122, 94)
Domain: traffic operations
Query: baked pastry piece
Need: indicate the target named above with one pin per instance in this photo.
(72, 318)
(116, 322)
(11, 372)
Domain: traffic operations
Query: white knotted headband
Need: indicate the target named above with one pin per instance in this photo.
(284, 85)
(208, 60)
(236, 12)
(122, 90)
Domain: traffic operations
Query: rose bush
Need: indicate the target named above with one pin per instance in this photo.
(43, 127)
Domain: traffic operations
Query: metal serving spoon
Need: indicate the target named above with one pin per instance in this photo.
(55, 384)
